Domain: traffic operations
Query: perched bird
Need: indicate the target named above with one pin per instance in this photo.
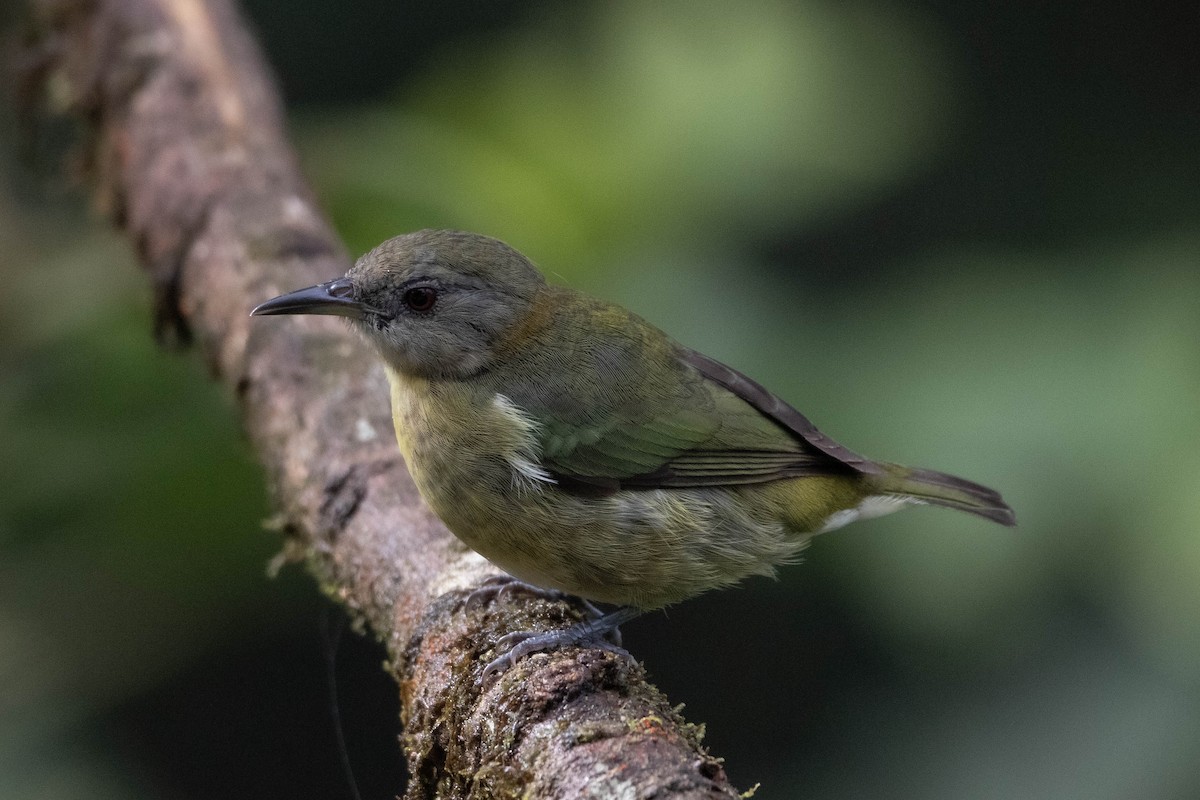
(581, 449)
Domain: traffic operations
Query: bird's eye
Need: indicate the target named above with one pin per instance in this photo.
(420, 298)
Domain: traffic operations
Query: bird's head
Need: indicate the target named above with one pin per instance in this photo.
(434, 303)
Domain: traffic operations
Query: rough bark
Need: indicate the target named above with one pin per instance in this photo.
(187, 150)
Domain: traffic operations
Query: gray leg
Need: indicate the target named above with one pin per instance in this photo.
(497, 586)
(594, 633)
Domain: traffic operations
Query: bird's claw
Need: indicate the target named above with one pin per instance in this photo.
(496, 586)
(600, 632)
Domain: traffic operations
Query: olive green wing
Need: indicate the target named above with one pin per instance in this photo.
(710, 426)
(775, 409)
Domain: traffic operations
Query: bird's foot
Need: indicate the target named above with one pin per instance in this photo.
(600, 632)
(497, 586)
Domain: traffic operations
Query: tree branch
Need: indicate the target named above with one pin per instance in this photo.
(188, 153)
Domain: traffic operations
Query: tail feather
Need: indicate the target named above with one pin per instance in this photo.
(940, 489)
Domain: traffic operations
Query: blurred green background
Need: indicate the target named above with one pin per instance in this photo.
(957, 234)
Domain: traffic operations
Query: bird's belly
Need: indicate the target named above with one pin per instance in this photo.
(646, 548)
(642, 548)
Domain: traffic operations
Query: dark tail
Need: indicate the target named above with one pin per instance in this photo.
(941, 489)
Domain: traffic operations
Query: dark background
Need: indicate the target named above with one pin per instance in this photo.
(956, 234)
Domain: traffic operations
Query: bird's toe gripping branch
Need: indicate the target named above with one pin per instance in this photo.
(497, 586)
(600, 632)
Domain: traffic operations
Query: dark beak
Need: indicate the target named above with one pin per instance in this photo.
(335, 297)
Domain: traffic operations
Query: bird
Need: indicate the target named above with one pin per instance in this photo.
(584, 451)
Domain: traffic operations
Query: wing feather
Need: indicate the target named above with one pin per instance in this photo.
(727, 438)
(682, 419)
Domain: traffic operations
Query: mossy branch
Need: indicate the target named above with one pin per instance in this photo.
(187, 151)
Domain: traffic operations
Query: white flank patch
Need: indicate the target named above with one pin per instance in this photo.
(528, 474)
(873, 506)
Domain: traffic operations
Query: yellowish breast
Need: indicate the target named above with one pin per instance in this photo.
(454, 436)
